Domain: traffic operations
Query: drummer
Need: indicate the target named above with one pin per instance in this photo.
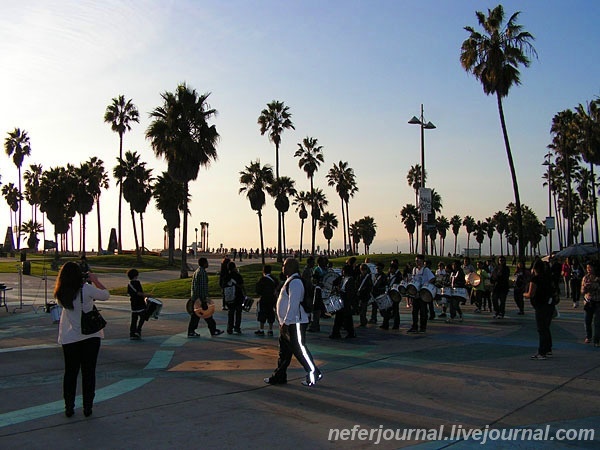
(440, 280)
(457, 280)
(394, 277)
(478, 292)
(422, 275)
(379, 287)
(137, 299)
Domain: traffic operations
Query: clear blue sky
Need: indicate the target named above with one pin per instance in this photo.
(352, 72)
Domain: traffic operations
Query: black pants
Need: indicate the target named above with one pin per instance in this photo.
(137, 320)
(519, 300)
(455, 307)
(195, 320)
(592, 321)
(419, 308)
(343, 318)
(543, 318)
(234, 316)
(393, 312)
(80, 355)
(292, 340)
(499, 302)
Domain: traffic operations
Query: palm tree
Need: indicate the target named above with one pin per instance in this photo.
(342, 177)
(469, 224)
(368, 231)
(409, 215)
(98, 181)
(301, 201)
(32, 187)
(170, 199)
(120, 114)
(442, 225)
(17, 145)
(328, 222)
(135, 178)
(455, 223)
(274, 119)
(489, 229)
(500, 220)
(254, 180)
(480, 230)
(318, 202)
(281, 189)
(12, 195)
(354, 232)
(180, 132)
(311, 157)
(32, 228)
(414, 180)
(84, 198)
(493, 57)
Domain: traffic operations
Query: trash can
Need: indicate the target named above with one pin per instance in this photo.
(27, 268)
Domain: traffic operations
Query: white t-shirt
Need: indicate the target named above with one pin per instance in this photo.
(69, 329)
(289, 310)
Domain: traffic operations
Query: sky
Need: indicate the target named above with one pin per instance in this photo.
(351, 72)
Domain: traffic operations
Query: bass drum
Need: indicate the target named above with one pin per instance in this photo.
(204, 313)
(383, 302)
(327, 283)
(394, 293)
(153, 308)
(333, 303)
(413, 288)
(428, 293)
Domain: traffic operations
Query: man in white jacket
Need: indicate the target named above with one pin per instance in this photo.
(293, 320)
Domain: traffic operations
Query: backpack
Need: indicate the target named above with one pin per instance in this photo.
(229, 292)
(308, 300)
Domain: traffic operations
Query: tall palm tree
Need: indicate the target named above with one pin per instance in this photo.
(489, 229)
(84, 198)
(181, 134)
(455, 223)
(493, 57)
(301, 201)
(32, 187)
(328, 222)
(98, 181)
(17, 146)
(410, 215)
(32, 228)
(281, 189)
(120, 114)
(443, 225)
(342, 177)
(170, 199)
(500, 220)
(355, 237)
(469, 224)
(480, 230)
(413, 177)
(274, 119)
(311, 156)
(255, 179)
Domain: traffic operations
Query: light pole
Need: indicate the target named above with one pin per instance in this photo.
(196, 243)
(424, 126)
(549, 219)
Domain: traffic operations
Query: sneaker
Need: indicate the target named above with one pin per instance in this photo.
(217, 332)
(307, 382)
(596, 344)
(538, 357)
(238, 331)
(421, 331)
(135, 337)
(373, 321)
(460, 318)
(587, 340)
(496, 316)
(477, 310)
(193, 335)
(274, 381)
(575, 305)
(412, 330)
(270, 332)
(384, 327)
(259, 333)
(548, 354)
(229, 331)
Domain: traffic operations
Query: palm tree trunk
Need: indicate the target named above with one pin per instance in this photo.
(135, 235)
(595, 237)
(513, 175)
(347, 220)
(99, 228)
(283, 233)
(279, 254)
(344, 224)
(119, 240)
(262, 241)
(184, 271)
(83, 234)
(142, 231)
(171, 238)
(455, 239)
(20, 203)
(301, 234)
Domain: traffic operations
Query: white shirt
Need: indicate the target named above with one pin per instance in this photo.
(425, 275)
(69, 329)
(289, 310)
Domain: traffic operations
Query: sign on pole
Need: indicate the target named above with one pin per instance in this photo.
(424, 200)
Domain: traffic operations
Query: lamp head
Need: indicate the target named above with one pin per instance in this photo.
(414, 121)
(429, 126)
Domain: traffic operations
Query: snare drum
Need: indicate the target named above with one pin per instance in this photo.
(383, 302)
(153, 307)
(204, 313)
(460, 293)
(472, 279)
(413, 288)
(402, 287)
(394, 293)
(428, 293)
(333, 303)
(247, 304)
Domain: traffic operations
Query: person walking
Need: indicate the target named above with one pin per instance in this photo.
(500, 276)
(199, 290)
(575, 282)
(137, 299)
(234, 313)
(540, 295)
(343, 318)
(590, 288)
(365, 285)
(293, 320)
(80, 350)
(265, 288)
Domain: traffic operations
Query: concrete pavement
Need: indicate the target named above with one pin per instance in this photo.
(168, 391)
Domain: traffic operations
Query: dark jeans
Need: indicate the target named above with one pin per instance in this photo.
(575, 289)
(499, 302)
(592, 321)
(364, 307)
(234, 316)
(543, 318)
(519, 300)
(292, 340)
(343, 318)
(195, 320)
(391, 313)
(137, 320)
(84, 355)
(419, 308)
(455, 307)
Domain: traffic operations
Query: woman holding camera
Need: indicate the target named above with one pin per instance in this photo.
(80, 350)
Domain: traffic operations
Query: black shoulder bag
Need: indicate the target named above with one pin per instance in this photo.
(91, 322)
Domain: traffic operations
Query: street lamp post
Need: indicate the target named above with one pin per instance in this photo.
(196, 244)
(424, 126)
(549, 219)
